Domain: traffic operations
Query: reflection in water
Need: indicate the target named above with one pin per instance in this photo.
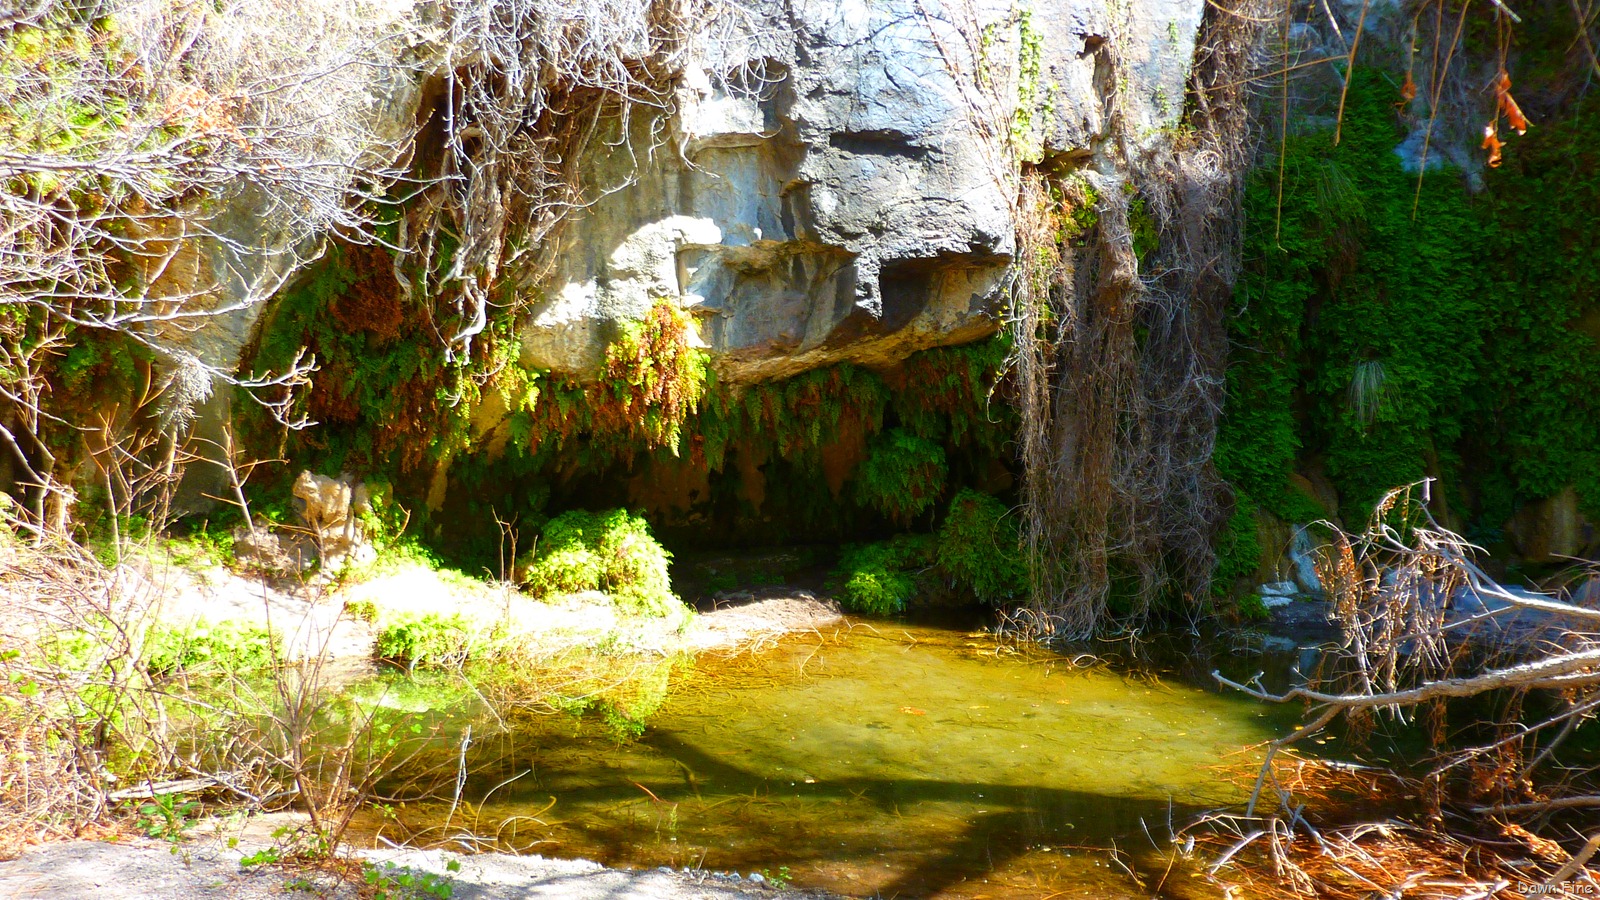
(895, 760)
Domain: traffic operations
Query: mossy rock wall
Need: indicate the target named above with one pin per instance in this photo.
(834, 453)
(1390, 326)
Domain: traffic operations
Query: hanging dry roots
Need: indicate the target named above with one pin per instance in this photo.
(529, 87)
(1119, 355)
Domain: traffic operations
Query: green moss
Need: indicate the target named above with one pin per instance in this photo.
(881, 579)
(903, 475)
(612, 552)
(978, 548)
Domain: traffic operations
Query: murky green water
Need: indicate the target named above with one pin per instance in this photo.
(888, 760)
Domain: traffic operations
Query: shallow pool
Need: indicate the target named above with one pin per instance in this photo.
(888, 760)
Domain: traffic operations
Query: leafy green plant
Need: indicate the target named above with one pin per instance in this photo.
(203, 648)
(168, 817)
(903, 474)
(426, 640)
(290, 842)
(391, 882)
(622, 725)
(202, 548)
(1252, 608)
(1387, 326)
(612, 552)
(881, 578)
(362, 610)
(978, 548)
(654, 377)
(266, 856)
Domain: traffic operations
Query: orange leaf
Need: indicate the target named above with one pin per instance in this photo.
(913, 710)
(1492, 144)
(1508, 104)
(1408, 90)
(1513, 113)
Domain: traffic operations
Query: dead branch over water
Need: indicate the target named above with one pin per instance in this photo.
(1423, 625)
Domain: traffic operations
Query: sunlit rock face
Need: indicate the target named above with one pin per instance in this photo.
(848, 195)
(841, 188)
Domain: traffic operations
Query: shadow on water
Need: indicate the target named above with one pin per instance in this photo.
(893, 760)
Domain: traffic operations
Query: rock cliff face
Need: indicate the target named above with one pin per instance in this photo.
(843, 192)
(840, 189)
(849, 195)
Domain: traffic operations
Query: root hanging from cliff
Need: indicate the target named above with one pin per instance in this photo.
(528, 87)
(1120, 344)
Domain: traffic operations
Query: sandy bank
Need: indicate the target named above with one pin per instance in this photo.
(142, 869)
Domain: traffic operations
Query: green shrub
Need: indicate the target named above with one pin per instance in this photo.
(201, 648)
(903, 474)
(566, 570)
(978, 548)
(612, 552)
(428, 640)
(880, 579)
(635, 566)
(201, 549)
(362, 611)
(1252, 608)
(1238, 546)
(566, 561)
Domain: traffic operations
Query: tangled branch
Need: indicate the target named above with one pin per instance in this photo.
(1423, 624)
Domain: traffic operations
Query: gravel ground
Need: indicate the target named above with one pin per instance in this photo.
(312, 620)
(142, 869)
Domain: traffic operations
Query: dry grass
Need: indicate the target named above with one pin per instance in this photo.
(87, 724)
(50, 785)
(1348, 838)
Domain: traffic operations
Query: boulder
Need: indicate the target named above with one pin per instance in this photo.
(261, 549)
(1302, 554)
(330, 509)
(1551, 530)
